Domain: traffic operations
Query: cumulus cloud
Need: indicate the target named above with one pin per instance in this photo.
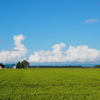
(18, 52)
(78, 54)
(81, 54)
(19, 45)
(48, 56)
(90, 21)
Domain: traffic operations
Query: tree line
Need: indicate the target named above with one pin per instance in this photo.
(25, 64)
(69, 66)
(22, 64)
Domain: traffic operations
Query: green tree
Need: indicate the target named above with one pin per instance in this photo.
(2, 65)
(24, 64)
(18, 65)
(97, 66)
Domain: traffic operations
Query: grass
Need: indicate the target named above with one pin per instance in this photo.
(50, 84)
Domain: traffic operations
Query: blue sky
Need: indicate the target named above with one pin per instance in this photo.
(46, 23)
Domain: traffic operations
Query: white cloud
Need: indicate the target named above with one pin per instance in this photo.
(16, 54)
(90, 21)
(79, 54)
(19, 45)
(48, 56)
(82, 54)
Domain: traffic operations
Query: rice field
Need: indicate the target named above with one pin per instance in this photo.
(50, 84)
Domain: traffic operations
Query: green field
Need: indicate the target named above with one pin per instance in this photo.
(50, 84)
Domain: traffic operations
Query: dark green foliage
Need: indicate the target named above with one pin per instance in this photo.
(2, 65)
(97, 66)
(18, 65)
(57, 66)
(24, 64)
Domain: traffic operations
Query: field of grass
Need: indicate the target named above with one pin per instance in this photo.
(50, 84)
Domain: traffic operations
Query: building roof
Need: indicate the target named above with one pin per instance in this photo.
(9, 65)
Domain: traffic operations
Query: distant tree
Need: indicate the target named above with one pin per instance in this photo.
(24, 64)
(97, 66)
(18, 65)
(2, 65)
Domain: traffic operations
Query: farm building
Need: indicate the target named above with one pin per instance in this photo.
(9, 66)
